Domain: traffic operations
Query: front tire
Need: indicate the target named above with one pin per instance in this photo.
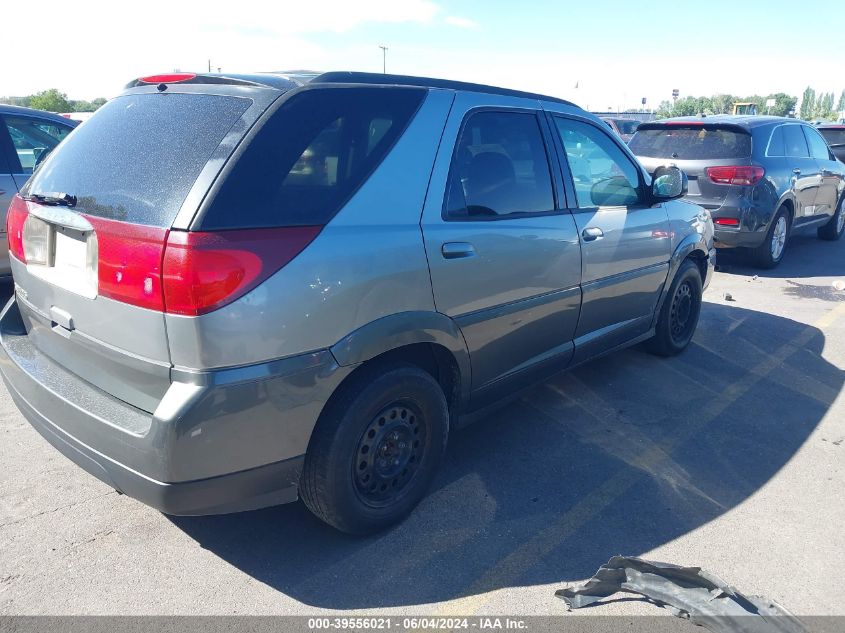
(375, 449)
(770, 253)
(833, 230)
(679, 315)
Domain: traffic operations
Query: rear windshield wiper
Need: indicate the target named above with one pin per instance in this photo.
(59, 199)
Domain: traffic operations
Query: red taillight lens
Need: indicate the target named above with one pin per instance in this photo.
(204, 271)
(15, 218)
(736, 174)
(129, 262)
(169, 78)
(726, 221)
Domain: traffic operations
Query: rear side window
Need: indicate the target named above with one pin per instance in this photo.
(499, 168)
(137, 158)
(691, 143)
(310, 156)
(794, 142)
(818, 147)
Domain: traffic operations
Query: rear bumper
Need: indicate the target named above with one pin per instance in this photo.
(220, 441)
(754, 219)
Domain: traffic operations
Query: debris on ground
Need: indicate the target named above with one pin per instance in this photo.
(729, 297)
(687, 592)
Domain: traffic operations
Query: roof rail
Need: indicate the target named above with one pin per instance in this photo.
(348, 77)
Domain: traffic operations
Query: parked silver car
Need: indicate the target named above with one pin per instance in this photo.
(27, 136)
(258, 286)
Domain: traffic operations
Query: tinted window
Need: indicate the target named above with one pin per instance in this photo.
(33, 139)
(691, 143)
(603, 175)
(794, 142)
(776, 143)
(499, 167)
(310, 156)
(136, 159)
(834, 136)
(627, 126)
(818, 147)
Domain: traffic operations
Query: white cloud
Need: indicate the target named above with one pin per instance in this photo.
(464, 23)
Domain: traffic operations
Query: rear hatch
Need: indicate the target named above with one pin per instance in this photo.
(696, 148)
(88, 232)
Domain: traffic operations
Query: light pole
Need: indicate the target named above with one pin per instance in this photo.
(383, 59)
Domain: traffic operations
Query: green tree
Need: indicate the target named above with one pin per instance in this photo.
(51, 100)
(840, 106)
(808, 104)
(87, 106)
(824, 106)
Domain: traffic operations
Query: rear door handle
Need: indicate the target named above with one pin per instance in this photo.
(796, 171)
(457, 250)
(2, 191)
(592, 233)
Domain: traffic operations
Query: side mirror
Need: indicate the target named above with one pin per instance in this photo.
(668, 183)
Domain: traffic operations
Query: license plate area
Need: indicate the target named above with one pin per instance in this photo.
(692, 187)
(63, 256)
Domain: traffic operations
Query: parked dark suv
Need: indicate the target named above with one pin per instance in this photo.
(230, 290)
(760, 177)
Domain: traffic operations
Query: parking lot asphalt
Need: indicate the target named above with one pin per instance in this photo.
(729, 457)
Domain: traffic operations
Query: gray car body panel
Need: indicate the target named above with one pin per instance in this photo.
(209, 425)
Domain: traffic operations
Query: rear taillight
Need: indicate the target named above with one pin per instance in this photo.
(204, 271)
(726, 221)
(736, 174)
(15, 220)
(129, 262)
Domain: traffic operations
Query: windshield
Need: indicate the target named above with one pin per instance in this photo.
(691, 143)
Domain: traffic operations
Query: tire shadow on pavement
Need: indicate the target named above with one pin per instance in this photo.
(623, 454)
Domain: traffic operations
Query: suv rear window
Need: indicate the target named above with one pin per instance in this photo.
(835, 136)
(137, 158)
(310, 156)
(690, 143)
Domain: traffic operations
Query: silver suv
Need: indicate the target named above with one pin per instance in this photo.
(230, 290)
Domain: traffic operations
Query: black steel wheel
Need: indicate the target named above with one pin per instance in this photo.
(389, 454)
(678, 317)
(376, 448)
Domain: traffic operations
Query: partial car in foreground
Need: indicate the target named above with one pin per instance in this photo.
(27, 136)
(760, 177)
(231, 290)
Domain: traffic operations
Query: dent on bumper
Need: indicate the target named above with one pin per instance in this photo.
(220, 441)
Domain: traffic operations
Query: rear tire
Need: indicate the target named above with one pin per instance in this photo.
(770, 253)
(375, 449)
(678, 317)
(833, 230)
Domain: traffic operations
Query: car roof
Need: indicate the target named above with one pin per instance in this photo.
(287, 80)
(13, 109)
(830, 126)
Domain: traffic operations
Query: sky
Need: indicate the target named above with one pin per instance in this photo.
(601, 55)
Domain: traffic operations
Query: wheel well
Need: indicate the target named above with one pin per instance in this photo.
(787, 204)
(434, 359)
(700, 260)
